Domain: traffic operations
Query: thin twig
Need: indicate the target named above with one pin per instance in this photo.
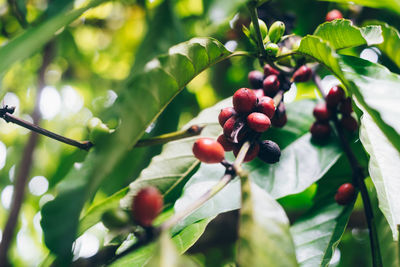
(24, 166)
(358, 179)
(165, 138)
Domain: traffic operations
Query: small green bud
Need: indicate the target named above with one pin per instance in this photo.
(115, 219)
(98, 130)
(276, 31)
(272, 49)
(263, 30)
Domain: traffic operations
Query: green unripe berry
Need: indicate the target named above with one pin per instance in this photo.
(272, 49)
(263, 30)
(115, 219)
(98, 131)
(276, 31)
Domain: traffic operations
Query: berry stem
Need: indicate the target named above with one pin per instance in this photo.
(262, 54)
(358, 179)
(165, 138)
(85, 145)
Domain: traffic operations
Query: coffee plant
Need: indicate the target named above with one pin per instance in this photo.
(129, 140)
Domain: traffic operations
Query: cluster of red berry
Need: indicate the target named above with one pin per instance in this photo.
(335, 102)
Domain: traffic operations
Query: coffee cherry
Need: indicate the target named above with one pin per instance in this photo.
(269, 152)
(115, 219)
(345, 194)
(271, 85)
(276, 31)
(320, 130)
(279, 121)
(349, 123)
(208, 150)
(334, 96)
(98, 131)
(272, 49)
(263, 30)
(346, 107)
(321, 112)
(333, 14)
(259, 92)
(229, 126)
(266, 105)
(251, 154)
(256, 79)
(226, 144)
(258, 122)
(268, 70)
(244, 100)
(225, 114)
(147, 204)
(302, 74)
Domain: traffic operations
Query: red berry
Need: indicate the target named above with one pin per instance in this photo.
(251, 154)
(320, 130)
(349, 123)
(258, 122)
(244, 100)
(271, 85)
(302, 74)
(266, 105)
(225, 114)
(226, 144)
(321, 112)
(268, 70)
(147, 204)
(333, 14)
(334, 96)
(345, 194)
(256, 78)
(208, 150)
(345, 106)
(229, 126)
(259, 93)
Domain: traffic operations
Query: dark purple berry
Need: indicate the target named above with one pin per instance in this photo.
(349, 123)
(269, 152)
(346, 107)
(334, 97)
(256, 78)
(320, 130)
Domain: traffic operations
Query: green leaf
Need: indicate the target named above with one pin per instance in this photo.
(302, 163)
(170, 170)
(94, 213)
(391, 44)
(150, 91)
(34, 38)
(393, 5)
(343, 34)
(167, 255)
(317, 233)
(264, 237)
(384, 169)
(182, 240)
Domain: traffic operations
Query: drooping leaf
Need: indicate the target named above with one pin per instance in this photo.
(391, 43)
(151, 91)
(166, 254)
(182, 240)
(317, 233)
(34, 38)
(264, 237)
(302, 163)
(343, 34)
(392, 5)
(384, 169)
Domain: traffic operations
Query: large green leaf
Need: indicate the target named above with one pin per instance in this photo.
(393, 5)
(391, 43)
(264, 237)
(384, 169)
(137, 107)
(182, 240)
(362, 78)
(343, 34)
(317, 233)
(34, 38)
(302, 163)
